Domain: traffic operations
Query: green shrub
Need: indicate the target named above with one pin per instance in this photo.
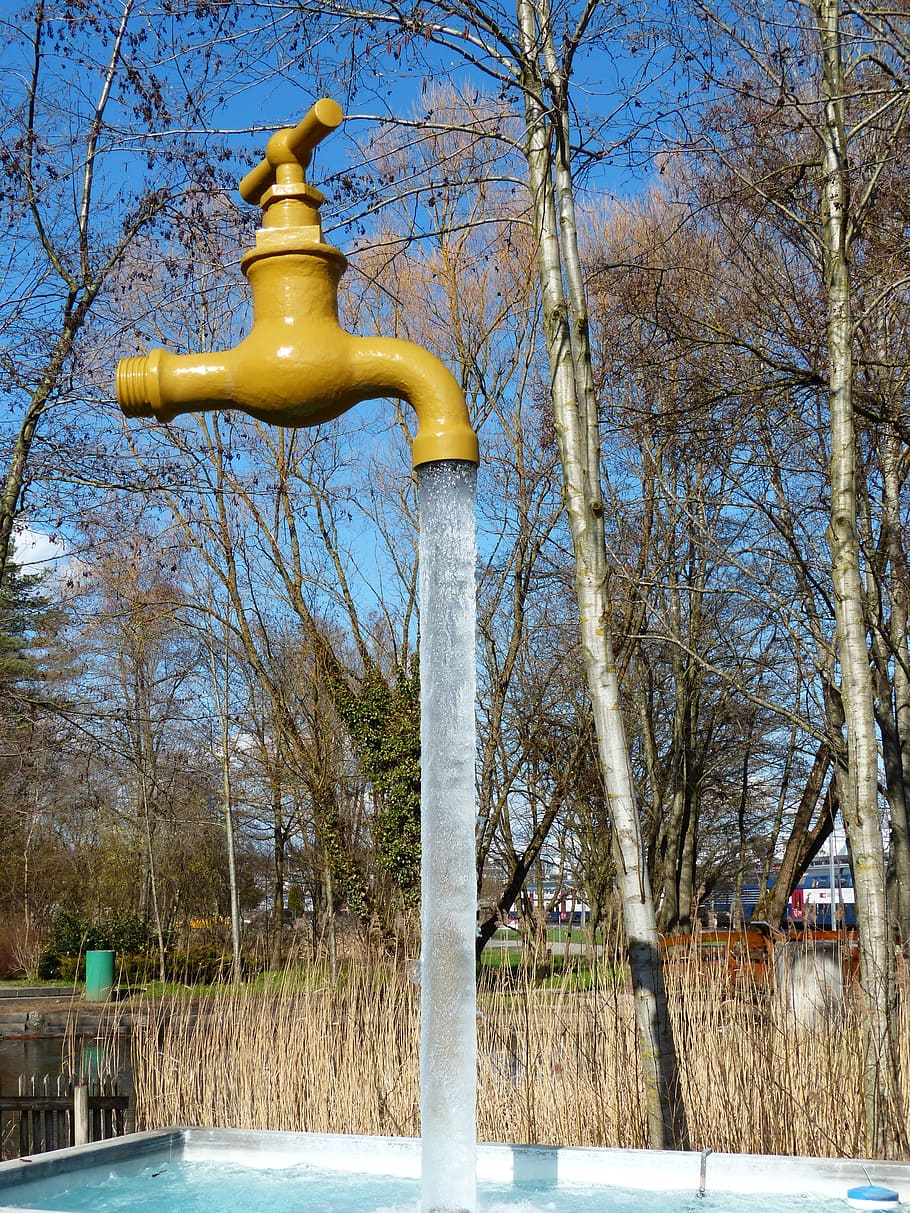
(71, 936)
(198, 966)
(71, 968)
(48, 965)
(135, 968)
(68, 933)
(129, 934)
(296, 901)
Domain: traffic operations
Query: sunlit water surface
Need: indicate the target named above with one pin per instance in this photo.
(165, 1186)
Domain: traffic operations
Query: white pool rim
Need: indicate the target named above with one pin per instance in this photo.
(702, 1172)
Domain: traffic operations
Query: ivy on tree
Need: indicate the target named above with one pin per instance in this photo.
(383, 716)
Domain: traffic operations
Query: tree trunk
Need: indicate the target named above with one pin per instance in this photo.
(152, 881)
(576, 424)
(895, 700)
(278, 847)
(11, 498)
(858, 783)
(772, 903)
(232, 873)
(222, 706)
(330, 922)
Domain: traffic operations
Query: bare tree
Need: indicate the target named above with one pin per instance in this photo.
(823, 90)
(79, 194)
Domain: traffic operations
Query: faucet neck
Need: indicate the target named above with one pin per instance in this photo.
(294, 280)
(291, 202)
(291, 224)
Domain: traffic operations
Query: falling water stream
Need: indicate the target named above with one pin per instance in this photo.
(448, 1026)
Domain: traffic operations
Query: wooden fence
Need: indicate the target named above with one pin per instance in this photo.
(55, 1112)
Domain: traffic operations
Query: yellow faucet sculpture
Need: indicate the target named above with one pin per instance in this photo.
(298, 366)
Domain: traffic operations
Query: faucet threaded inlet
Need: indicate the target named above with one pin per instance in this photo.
(133, 388)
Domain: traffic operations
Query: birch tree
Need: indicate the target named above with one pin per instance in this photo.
(219, 663)
(840, 215)
(823, 87)
(533, 56)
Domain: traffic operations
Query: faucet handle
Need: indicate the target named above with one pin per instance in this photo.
(292, 145)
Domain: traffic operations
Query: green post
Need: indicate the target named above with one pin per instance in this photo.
(99, 976)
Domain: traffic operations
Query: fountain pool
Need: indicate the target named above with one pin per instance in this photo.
(247, 1171)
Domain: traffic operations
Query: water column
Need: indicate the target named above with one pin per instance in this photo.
(448, 1025)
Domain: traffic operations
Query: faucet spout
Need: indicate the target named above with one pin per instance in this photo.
(298, 366)
(405, 371)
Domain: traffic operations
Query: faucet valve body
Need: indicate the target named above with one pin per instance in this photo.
(298, 366)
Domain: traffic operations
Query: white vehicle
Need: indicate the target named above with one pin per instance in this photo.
(810, 901)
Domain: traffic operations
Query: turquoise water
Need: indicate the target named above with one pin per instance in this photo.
(163, 1186)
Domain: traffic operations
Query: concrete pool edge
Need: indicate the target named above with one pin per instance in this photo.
(649, 1170)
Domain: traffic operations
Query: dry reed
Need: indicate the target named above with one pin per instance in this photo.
(334, 1059)
(555, 1066)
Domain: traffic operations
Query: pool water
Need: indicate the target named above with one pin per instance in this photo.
(165, 1184)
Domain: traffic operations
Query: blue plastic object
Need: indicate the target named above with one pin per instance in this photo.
(872, 1197)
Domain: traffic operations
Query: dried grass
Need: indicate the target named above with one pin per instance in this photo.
(556, 1066)
(334, 1059)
